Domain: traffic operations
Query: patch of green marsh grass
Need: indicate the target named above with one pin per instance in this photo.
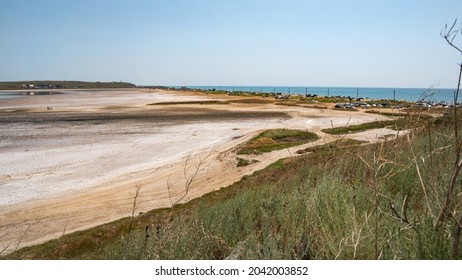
(358, 127)
(199, 102)
(408, 122)
(389, 114)
(341, 143)
(245, 162)
(276, 139)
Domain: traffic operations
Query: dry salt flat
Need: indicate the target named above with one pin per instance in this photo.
(76, 166)
(42, 158)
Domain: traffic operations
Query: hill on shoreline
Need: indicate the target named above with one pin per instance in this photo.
(15, 85)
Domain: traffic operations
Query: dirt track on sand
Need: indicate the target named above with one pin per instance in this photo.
(79, 165)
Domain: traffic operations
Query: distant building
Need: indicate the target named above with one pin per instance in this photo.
(41, 86)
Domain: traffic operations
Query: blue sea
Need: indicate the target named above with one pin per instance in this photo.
(407, 94)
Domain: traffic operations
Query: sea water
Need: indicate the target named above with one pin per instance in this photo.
(407, 94)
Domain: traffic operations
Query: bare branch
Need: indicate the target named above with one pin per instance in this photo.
(169, 186)
(191, 170)
(450, 35)
(450, 205)
(137, 191)
(20, 240)
(131, 219)
(65, 227)
(4, 249)
(456, 239)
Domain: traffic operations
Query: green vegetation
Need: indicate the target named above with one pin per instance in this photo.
(389, 114)
(276, 139)
(252, 101)
(327, 99)
(375, 201)
(207, 102)
(341, 143)
(65, 84)
(421, 113)
(245, 162)
(359, 127)
(204, 102)
(408, 122)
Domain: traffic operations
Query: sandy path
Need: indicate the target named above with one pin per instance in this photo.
(79, 165)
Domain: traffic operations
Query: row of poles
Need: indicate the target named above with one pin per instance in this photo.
(288, 90)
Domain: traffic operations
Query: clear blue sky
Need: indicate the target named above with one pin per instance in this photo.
(383, 43)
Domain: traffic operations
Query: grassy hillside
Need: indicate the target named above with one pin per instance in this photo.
(376, 201)
(66, 84)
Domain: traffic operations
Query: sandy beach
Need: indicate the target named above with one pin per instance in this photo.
(79, 164)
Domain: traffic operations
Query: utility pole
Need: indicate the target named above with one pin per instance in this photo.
(394, 98)
(357, 94)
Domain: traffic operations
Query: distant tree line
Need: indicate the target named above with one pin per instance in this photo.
(62, 84)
